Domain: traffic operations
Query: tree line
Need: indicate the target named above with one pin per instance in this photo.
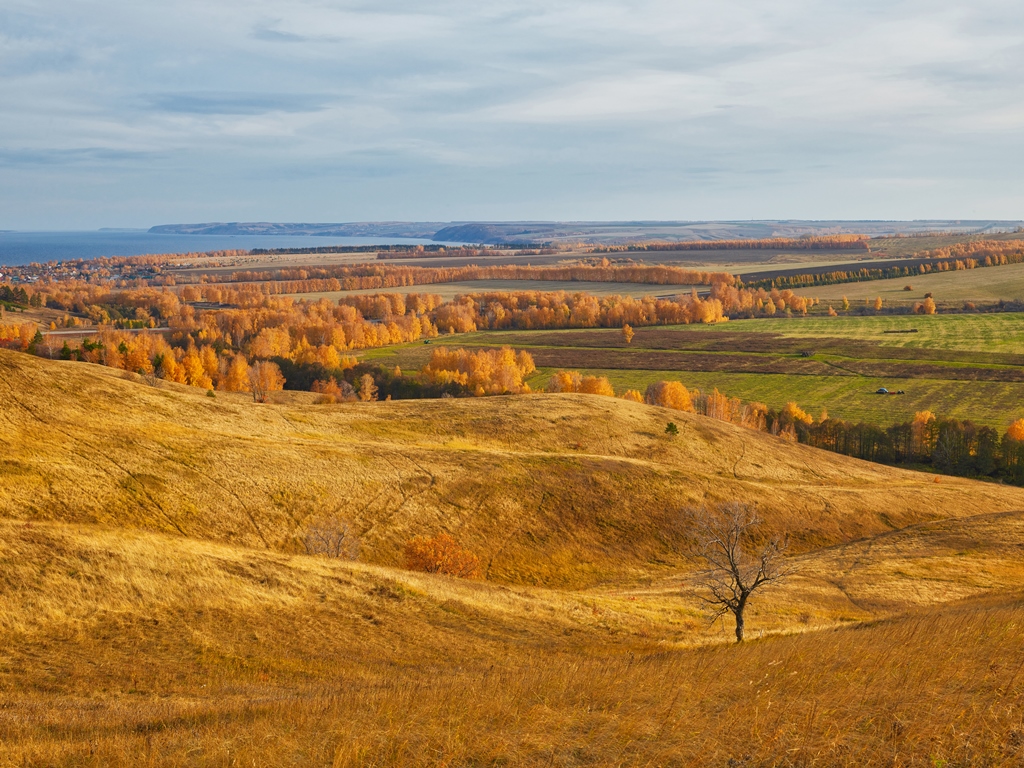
(350, 277)
(961, 256)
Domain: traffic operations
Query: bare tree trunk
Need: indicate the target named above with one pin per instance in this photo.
(741, 606)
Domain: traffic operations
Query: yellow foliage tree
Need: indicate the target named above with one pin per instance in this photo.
(265, 377)
(596, 385)
(195, 373)
(367, 388)
(237, 377)
(627, 333)
(572, 381)
(669, 394)
(793, 413)
(485, 372)
(922, 432)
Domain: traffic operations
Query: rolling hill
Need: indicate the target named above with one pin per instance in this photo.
(548, 489)
(155, 607)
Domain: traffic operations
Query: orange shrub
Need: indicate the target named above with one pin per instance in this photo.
(441, 554)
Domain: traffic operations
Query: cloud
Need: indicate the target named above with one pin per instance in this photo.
(236, 103)
(527, 109)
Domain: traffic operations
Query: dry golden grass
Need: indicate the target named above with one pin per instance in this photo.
(154, 609)
(128, 647)
(563, 490)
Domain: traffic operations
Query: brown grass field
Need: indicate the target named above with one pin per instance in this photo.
(155, 608)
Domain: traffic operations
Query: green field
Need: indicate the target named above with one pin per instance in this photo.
(996, 332)
(965, 366)
(851, 398)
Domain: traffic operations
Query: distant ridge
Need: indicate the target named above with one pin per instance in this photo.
(595, 232)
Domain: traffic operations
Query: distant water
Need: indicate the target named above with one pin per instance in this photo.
(26, 247)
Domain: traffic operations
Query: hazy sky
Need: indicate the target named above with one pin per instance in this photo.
(118, 113)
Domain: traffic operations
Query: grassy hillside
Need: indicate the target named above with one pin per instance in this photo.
(128, 647)
(154, 608)
(547, 489)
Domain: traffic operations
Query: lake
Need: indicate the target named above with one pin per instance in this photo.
(26, 247)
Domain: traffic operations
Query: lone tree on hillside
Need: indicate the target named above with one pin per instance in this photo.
(733, 566)
(264, 378)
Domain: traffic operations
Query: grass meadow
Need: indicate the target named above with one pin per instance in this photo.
(156, 611)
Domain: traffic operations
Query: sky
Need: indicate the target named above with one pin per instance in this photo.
(128, 114)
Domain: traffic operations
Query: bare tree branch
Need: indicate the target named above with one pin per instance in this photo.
(332, 537)
(722, 544)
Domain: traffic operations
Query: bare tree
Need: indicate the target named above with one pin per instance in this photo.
(332, 537)
(733, 567)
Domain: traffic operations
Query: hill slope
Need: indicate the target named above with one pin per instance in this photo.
(128, 647)
(552, 489)
(153, 609)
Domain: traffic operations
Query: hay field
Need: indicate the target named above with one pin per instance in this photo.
(155, 607)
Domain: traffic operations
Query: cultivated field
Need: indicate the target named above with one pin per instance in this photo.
(156, 607)
(1001, 332)
(965, 366)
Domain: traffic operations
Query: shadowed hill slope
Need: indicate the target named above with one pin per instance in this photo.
(547, 489)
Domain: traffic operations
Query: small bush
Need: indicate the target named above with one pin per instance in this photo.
(441, 554)
(331, 537)
(671, 429)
